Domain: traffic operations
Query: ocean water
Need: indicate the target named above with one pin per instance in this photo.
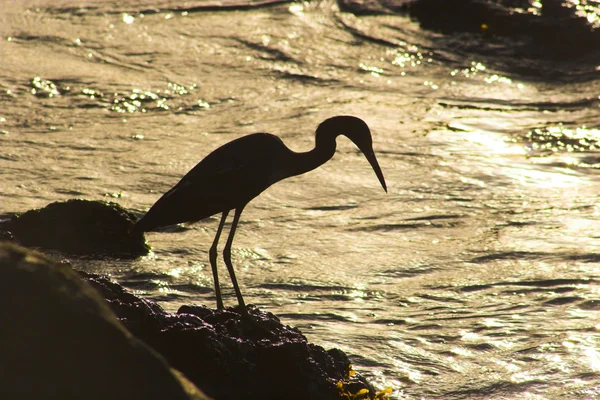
(477, 276)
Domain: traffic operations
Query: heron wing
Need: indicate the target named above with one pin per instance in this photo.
(226, 179)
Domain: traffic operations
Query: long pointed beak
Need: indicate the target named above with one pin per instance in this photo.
(370, 155)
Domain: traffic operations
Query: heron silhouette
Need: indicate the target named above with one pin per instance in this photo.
(235, 173)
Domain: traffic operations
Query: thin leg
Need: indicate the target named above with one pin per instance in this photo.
(212, 254)
(227, 257)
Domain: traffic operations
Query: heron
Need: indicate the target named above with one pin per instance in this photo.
(237, 172)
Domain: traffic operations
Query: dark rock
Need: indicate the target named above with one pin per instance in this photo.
(556, 31)
(469, 15)
(559, 30)
(60, 340)
(232, 356)
(79, 227)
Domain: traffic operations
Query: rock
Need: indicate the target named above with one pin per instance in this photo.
(60, 340)
(468, 16)
(556, 31)
(226, 354)
(79, 227)
(231, 356)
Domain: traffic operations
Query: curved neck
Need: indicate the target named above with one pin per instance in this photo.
(323, 151)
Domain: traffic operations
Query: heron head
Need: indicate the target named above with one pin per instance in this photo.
(359, 133)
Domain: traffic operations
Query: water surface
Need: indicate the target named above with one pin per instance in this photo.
(475, 276)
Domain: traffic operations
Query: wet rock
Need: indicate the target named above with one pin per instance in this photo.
(469, 15)
(60, 340)
(556, 30)
(231, 356)
(79, 227)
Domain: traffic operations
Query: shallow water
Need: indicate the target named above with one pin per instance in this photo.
(475, 276)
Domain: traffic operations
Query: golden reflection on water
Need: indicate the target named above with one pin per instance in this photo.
(175, 272)
(587, 350)
(43, 87)
(406, 370)
(495, 143)
(162, 286)
(297, 9)
(371, 69)
(544, 179)
(477, 69)
(556, 138)
(409, 56)
(593, 357)
(127, 18)
(589, 9)
(422, 354)
(495, 147)
(461, 351)
(140, 100)
(256, 253)
(469, 72)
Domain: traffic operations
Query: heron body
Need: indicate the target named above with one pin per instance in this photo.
(235, 173)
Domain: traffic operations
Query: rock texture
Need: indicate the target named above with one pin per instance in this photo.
(556, 30)
(80, 227)
(232, 356)
(62, 335)
(60, 340)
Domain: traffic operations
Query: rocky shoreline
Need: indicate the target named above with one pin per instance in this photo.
(72, 334)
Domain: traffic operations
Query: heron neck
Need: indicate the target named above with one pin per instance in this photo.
(322, 152)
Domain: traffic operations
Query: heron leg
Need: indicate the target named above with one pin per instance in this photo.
(212, 254)
(227, 257)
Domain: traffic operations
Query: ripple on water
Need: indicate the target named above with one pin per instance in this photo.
(475, 277)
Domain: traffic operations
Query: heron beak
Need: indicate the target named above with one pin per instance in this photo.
(370, 155)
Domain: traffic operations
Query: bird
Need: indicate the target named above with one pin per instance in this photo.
(237, 172)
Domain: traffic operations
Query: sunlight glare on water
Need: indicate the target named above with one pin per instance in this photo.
(475, 276)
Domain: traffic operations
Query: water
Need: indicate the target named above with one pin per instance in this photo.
(476, 276)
